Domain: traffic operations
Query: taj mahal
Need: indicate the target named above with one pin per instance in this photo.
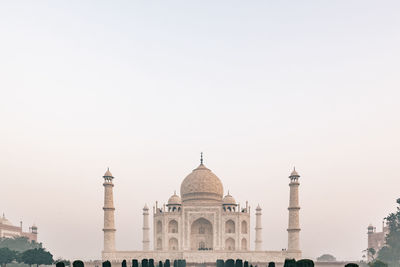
(202, 225)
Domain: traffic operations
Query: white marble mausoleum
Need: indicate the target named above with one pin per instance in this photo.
(201, 225)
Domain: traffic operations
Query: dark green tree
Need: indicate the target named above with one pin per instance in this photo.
(220, 263)
(246, 264)
(351, 265)
(60, 264)
(390, 253)
(36, 256)
(145, 263)
(271, 264)
(230, 263)
(377, 263)
(160, 264)
(18, 244)
(290, 263)
(151, 262)
(135, 263)
(7, 256)
(371, 252)
(239, 263)
(167, 263)
(123, 264)
(78, 263)
(66, 262)
(106, 264)
(304, 263)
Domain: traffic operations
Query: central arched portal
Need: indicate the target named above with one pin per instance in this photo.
(201, 235)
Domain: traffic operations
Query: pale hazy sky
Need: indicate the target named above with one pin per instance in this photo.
(144, 86)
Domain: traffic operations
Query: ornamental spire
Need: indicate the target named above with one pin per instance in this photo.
(201, 157)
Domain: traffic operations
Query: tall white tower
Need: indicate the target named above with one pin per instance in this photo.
(146, 229)
(109, 227)
(258, 240)
(294, 208)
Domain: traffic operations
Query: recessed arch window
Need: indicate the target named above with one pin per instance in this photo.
(244, 227)
(173, 226)
(229, 226)
(159, 227)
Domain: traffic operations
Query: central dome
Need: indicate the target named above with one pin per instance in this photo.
(202, 185)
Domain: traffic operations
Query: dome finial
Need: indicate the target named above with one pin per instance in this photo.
(201, 157)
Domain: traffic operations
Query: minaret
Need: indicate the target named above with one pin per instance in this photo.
(146, 229)
(109, 227)
(294, 225)
(258, 229)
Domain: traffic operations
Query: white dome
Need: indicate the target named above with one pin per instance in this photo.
(202, 185)
(174, 200)
(229, 200)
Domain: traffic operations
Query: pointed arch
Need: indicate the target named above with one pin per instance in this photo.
(173, 226)
(230, 244)
(173, 244)
(159, 227)
(229, 227)
(244, 227)
(244, 244)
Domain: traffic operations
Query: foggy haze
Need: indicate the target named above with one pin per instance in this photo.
(144, 87)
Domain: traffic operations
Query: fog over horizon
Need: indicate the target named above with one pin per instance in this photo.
(144, 87)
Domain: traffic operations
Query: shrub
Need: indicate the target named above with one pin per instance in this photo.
(181, 263)
(151, 262)
(220, 263)
(160, 264)
(351, 265)
(123, 264)
(78, 264)
(305, 263)
(230, 263)
(106, 264)
(167, 263)
(290, 263)
(271, 264)
(239, 263)
(145, 263)
(60, 264)
(135, 263)
(246, 264)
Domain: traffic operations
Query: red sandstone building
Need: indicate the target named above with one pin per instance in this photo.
(8, 230)
(376, 240)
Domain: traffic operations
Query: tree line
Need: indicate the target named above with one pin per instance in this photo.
(21, 250)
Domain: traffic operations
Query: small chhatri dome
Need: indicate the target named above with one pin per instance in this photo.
(202, 185)
(228, 200)
(145, 207)
(370, 226)
(174, 200)
(258, 207)
(108, 173)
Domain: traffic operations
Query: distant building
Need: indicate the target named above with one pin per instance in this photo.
(8, 230)
(376, 240)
